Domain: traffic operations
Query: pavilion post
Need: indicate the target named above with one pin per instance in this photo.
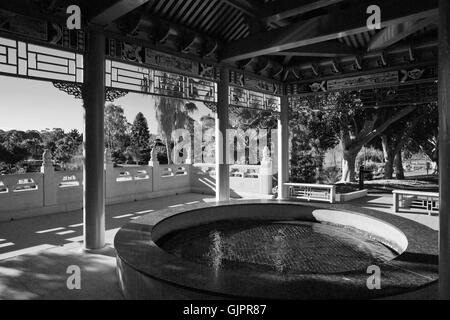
(93, 173)
(222, 124)
(283, 148)
(444, 149)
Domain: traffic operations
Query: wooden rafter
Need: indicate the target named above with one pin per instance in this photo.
(326, 27)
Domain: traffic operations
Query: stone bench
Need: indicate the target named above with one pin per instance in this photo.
(308, 191)
(421, 200)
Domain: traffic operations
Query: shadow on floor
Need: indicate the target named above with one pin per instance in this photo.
(45, 232)
(419, 258)
(44, 276)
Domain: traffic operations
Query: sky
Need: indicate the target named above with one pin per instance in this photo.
(38, 105)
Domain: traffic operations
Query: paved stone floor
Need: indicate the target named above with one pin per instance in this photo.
(36, 252)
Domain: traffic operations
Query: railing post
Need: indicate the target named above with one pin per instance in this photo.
(283, 148)
(49, 183)
(265, 173)
(332, 194)
(221, 150)
(109, 174)
(156, 174)
(189, 165)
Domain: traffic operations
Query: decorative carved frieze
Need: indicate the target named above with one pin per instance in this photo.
(41, 30)
(382, 79)
(243, 98)
(239, 79)
(132, 53)
(159, 60)
(263, 85)
(23, 26)
(400, 95)
(170, 62)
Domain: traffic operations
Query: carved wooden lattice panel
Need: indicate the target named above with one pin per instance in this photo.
(29, 60)
(137, 78)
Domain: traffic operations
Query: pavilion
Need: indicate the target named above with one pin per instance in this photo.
(244, 54)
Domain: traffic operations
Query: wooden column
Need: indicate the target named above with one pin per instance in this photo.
(93, 173)
(444, 149)
(222, 124)
(283, 148)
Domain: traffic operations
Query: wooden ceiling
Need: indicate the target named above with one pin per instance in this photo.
(282, 39)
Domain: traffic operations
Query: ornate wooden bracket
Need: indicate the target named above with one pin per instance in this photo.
(75, 90)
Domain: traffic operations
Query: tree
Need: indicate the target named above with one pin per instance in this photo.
(425, 135)
(116, 131)
(67, 147)
(11, 154)
(206, 140)
(172, 113)
(4, 154)
(358, 126)
(49, 138)
(16, 146)
(243, 119)
(354, 124)
(312, 135)
(33, 143)
(394, 139)
(140, 138)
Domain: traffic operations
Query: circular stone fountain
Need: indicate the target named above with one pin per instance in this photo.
(272, 250)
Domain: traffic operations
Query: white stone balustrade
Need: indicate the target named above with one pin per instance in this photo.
(245, 180)
(50, 191)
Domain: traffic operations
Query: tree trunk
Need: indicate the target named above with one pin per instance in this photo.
(169, 153)
(348, 166)
(399, 173)
(319, 157)
(388, 157)
(388, 166)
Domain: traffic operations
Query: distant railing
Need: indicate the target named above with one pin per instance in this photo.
(307, 191)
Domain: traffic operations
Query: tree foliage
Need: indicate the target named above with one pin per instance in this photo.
(352, 123)
(17, 146)
(172, 113)
(313, 132)
(117, 129)
(68, 147)
(140, 138)
(424, 137)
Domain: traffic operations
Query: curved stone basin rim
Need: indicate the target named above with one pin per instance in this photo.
(158, 265)
(384, 232)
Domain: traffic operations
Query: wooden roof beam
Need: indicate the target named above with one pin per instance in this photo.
(117, 10)
(249, 7)
(276, 11)
(329, 49)
(327, 27)
(392, 34)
